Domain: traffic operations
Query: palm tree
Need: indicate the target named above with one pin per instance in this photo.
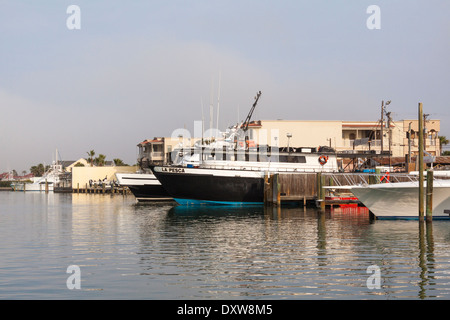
(91, 155)
(38, 170)
(443, 141)
(100, 160)
(119, 162)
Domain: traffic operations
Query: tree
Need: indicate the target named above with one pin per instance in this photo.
(100, 160)
(38, 170)
(443, 141)
(119, 162)
(91, 155)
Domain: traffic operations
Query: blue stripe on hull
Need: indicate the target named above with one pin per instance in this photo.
(193, 202)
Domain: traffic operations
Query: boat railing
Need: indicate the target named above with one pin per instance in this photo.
(267, 168)
(363, 178)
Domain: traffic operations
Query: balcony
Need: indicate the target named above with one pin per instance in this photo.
(156, 156)
(361, 144)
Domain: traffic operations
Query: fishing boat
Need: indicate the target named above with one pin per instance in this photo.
(400, 200)
(45, 183)
(144, 186)
(36, 185)
(237, 177)
(233, 172)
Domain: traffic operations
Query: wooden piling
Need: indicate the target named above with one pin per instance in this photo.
(276, 196)
(429, 203)
(46, 186)
(272, 187)
(421, 179)
(266, 188)
(320, 191)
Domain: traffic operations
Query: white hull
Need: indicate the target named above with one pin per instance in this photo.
(33, 187)
(136, 179)
(401, 200)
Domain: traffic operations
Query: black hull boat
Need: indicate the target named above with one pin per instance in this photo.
(237, 180)
(198, 186)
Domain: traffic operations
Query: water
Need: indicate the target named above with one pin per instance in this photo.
(127, 250)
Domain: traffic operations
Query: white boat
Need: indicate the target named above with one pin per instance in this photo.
(144, 186)
(400, 200)
(36, 185)
(45, 183)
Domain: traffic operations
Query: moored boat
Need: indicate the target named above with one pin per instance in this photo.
(238, 177)
(400, 200)
(144, 186)
(45, 183)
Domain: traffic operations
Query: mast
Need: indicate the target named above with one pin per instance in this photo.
(218, 100)
(211, 110)
(203, 120)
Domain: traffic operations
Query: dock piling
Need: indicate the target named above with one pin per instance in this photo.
(272, 187)
(429, 203)
(421, 178)
(276, 196)
(320, 191)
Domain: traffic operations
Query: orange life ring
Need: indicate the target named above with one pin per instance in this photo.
(385, 177)
(323, 160)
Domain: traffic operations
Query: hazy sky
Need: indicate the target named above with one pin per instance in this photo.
(139, 69)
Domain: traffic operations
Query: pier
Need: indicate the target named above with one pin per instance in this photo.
(99, 189)
(95, 189)
(321, 189)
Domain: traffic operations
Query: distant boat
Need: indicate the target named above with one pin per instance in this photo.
(400, 200)
(39, 185)
(144, 186)
(45, 183)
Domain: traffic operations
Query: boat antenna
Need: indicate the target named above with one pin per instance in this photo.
(203, 119)
(218, 100)
(211, 111)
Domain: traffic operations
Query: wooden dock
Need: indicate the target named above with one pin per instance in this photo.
(101, 189)
(317, 188)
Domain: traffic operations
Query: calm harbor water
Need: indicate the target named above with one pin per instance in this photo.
(127, 250)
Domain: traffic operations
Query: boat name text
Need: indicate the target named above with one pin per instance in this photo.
(172, 170)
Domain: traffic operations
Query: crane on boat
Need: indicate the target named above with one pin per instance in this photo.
(244, 125)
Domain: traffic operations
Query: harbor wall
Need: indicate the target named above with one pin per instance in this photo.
(82, 175)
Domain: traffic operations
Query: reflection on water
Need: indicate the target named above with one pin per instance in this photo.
(128, 250)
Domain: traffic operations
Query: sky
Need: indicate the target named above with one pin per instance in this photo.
(135, 70)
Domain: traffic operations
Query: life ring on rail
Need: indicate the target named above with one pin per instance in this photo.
(323, 160)
(385, 178)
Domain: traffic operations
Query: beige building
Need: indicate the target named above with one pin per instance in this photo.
(81, 176)
(347, 136)
(343, 136)
(158, 150)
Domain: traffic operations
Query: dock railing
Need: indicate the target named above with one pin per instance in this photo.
(362, 178)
